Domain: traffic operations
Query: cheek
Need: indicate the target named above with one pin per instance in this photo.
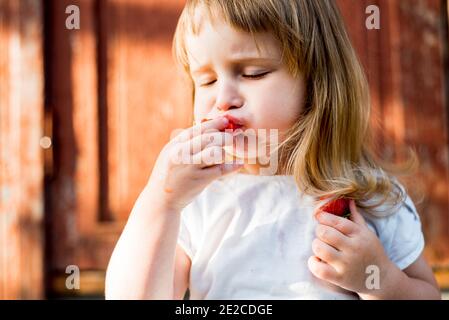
(200, 107)
(281, 107)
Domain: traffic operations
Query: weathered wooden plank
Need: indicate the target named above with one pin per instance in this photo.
(85, 116)
(21, 158)
(62, 194)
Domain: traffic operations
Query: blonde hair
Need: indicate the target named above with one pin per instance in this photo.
(330, 149)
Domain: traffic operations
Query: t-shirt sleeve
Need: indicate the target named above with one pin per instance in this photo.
(401, 234)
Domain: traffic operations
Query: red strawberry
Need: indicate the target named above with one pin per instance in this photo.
(339, 207)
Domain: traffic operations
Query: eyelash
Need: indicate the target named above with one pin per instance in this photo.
(256, 76)
(247, 76)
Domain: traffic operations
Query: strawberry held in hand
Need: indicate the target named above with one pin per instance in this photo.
(339, 207)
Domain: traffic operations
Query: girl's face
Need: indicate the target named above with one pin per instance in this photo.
(232, 77)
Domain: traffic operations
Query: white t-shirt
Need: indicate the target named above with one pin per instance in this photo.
(249, 237)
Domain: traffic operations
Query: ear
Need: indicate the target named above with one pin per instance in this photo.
(355, 216)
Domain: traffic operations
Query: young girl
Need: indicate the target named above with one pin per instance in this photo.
(224, 230)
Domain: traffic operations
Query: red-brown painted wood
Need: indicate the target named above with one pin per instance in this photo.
(21, 157)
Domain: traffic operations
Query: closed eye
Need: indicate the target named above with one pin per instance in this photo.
(208, 83)
(246, 76)
(255, 76)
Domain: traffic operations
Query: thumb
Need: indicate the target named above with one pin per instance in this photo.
(356, 216)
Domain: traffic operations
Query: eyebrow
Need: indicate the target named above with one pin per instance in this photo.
(240, 60)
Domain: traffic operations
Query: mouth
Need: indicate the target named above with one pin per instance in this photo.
(246, 142)
(233, 125)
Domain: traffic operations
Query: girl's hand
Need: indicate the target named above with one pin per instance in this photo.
(188, 163)
(344, 249)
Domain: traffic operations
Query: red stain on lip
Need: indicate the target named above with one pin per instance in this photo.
(232, 125)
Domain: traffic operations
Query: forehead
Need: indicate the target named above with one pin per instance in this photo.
(215, 39)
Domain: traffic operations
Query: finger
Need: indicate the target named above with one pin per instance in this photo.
(331, 236)
(324, 251)
(209, 156)
(355, 216)
(345, 226)
(215, 138)
(187, 134)
(321, 269)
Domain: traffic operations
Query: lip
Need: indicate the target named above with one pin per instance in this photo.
(233, 119)
(234, 123)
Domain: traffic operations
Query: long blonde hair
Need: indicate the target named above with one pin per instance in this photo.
(329, 150)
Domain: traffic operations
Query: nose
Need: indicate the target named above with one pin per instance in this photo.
(228, 97)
